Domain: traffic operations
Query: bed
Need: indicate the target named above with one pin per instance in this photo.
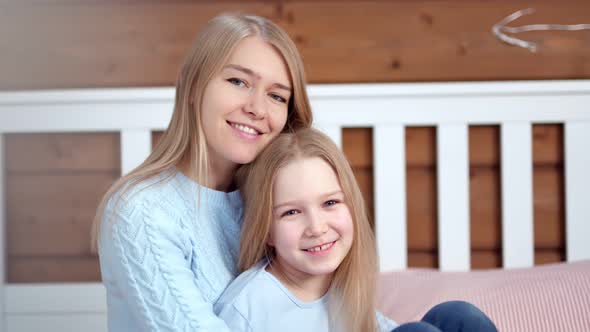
(519, 297)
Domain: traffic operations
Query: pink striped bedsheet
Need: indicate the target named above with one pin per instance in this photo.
(549, 298)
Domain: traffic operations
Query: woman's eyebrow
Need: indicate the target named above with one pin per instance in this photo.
(250, 72)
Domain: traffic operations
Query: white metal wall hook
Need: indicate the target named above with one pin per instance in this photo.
(500, 28)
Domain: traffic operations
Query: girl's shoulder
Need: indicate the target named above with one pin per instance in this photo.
(242, 286)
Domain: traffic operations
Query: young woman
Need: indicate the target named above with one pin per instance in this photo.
(307, 250)
(168, 232)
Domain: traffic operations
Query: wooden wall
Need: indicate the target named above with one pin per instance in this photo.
(54, 181)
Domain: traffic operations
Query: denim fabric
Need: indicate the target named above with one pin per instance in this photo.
(452, 316)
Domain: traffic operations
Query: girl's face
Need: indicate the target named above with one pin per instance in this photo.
(312, 230)
(245, 105)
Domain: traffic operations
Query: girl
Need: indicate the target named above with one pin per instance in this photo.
(307, 250)
(307, 247)
(168, 232)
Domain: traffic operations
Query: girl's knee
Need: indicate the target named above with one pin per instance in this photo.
(416, 327)
(459, 316)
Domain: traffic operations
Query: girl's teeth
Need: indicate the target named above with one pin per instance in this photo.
(320, 248)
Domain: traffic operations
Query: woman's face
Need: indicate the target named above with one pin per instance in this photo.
(245, 105)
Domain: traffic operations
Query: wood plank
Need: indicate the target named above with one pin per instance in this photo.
(547, 144)
(71, 152)
(53, 269)
(139, 43)
(421, 209)
(486, 259)
(549, 256)
(397, 41)
(485, 209)
(357, 144)
(156, 136)
(421, 146)
(364, 178)
(51, 214)
(378, 41)
(422, 259)
(549, 207)
(484, 146)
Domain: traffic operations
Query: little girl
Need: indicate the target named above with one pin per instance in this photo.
(307, 251)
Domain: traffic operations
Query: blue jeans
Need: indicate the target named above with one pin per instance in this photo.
(452, 316)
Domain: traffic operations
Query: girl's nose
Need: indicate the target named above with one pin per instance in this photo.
(317, 225)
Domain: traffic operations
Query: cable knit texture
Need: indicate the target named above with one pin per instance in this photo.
(168, 249)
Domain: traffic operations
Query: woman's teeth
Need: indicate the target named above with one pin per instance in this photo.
(320, 248)
(245, 129)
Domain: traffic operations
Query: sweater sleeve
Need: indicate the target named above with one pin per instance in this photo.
(146, 254)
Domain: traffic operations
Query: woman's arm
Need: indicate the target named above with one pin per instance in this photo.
(145, 254)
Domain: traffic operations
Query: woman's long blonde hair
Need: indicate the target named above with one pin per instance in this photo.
(352, 292)
(184, 137)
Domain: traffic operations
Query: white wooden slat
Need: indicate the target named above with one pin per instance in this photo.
(390, 196)
(453, 197)
(136, 146)
(56, 307)
(432, 110)
(67, 322)
(88, 116)
(577, 190)
(114, 109)
(517, 195)
(2, 235)
(55, 298)
(334, 131)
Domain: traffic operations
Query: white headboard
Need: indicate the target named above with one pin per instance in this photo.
(388, 109)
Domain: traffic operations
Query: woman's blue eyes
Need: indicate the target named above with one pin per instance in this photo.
(236, 81)
(240, 83)
(278, 98)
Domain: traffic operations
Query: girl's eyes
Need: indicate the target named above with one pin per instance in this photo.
(330, 202)
(289, 213)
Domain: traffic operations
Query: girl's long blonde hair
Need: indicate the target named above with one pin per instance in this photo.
(184, 137)
(352, 292)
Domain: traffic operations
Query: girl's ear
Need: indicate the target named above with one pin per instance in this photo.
(270, 241)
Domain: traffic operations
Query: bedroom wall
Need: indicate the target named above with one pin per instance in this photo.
(54, 181)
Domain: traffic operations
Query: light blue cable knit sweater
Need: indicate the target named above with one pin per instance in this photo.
(164, 260)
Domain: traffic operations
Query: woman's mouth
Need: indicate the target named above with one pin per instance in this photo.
(244, 128)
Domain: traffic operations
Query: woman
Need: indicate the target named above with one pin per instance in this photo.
(168, 232)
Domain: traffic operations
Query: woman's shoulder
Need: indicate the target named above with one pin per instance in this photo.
(159, 192)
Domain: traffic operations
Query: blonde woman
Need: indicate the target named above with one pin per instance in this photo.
(307, 252)
(168, 232)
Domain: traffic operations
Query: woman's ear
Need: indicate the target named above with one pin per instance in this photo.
(269, 241)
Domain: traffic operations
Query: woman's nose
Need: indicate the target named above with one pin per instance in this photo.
(255, 105)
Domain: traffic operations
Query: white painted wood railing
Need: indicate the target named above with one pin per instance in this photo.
(388, 109)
